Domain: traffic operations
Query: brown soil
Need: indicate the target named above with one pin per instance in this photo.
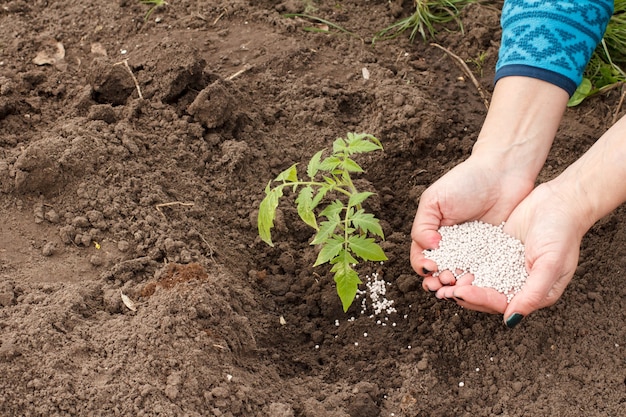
(104, 193)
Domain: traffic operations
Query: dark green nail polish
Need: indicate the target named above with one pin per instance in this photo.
(514, 320)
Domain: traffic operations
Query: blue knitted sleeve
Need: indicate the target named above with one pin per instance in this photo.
(552, 40)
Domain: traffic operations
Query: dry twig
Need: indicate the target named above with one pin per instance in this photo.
(125, 63)
(173, 203)
(619, 105)
(467, 71)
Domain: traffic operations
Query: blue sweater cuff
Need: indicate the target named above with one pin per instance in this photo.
(556, 38)
(542, 74)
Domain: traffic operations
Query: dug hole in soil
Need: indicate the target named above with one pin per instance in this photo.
(105, 192)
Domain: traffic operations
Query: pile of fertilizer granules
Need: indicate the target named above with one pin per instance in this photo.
(494, 258)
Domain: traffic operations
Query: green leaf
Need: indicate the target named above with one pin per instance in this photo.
(346, 278)
(329, 164)
(582, 92)
(304, 203)
(288, 175)
(366, 248)
(333, 209)
(326, 229)
(340, 146)
(267, 213)
(363, 143)
(358, 198)
(367, 223)
(319, 196)
(330, 250)
(351, 166)
(314, 165)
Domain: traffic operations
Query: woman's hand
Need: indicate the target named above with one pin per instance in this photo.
(551, 228)
(473, 190)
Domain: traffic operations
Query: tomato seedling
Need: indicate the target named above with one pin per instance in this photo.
(345, 230)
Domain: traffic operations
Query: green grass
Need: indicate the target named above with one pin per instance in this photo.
(155, 4)
(428, 15)
(606, 66)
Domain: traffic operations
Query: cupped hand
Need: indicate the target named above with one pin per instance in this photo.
(473, 190)
(551, 227)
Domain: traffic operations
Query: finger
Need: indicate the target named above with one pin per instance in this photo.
(431, 284)
(447, 278)
(486, 300)
(426, 223)
(543, 287)
(420, 264)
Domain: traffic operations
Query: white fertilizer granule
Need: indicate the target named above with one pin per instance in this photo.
(494, 258)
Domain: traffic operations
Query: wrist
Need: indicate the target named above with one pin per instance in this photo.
(596, 183)
(520, 126)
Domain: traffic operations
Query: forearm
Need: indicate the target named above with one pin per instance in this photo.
(544, 50)
(520, 126)
(596, 183)
(551, 40)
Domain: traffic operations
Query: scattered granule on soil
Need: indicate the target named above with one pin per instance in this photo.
(495, 258)
(376, 291)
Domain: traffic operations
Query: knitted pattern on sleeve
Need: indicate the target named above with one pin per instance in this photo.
(552, 40)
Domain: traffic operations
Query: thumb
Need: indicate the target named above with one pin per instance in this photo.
(538, 291)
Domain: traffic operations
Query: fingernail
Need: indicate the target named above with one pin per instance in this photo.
(514, 320)
(426, 271)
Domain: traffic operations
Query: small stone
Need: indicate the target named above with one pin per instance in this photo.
(96, 260)
(49, 249)
(123, 245)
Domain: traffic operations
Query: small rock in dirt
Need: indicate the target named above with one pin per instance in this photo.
(422, 365)
(80, 221)
(111, 83)
(123, 245)
(36, 168)
(398, 100)
(362, 405)
(52, 216)
(280, 410)
(213, 107)
(220, 392)
(104, 112)
(67, 234)
(96, 260)
(49, 249)
(7, 295)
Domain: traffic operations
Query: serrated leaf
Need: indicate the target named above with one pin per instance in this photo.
(346, 278)
(366, 248)
(363, 143)
(321, 192)
(330, 250)
(367, 223)
(329, 164)
(340, 146)
(358, 198)
(314, 165)
(267, 213)
(332, 210)
(288, 175)
(351, 166)
(304, 203)
(326, 229)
